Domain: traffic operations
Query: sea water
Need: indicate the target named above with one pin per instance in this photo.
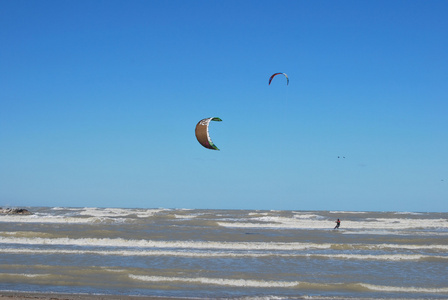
(232, 254)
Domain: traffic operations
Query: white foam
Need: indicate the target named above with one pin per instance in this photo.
(120, 242)
(119, 212)
(307, 222)
(307, 216)
(68, 208)
(400, 223)
(398, 289)
(390, 257)
(216, 281)
(278, 222)
(347, 212)
(23, 275)
(282, 284)
(186, 217)
(407, 213)
(394, 232)
(46, 219)
(258, 219)
(181, 253)
(86, 216)
(393, 246)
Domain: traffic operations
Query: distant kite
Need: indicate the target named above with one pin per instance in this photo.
(202, 133)
(273, 75)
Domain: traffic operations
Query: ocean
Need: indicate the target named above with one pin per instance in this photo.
(230, 254)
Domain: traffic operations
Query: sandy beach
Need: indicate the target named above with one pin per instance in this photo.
(51, 296)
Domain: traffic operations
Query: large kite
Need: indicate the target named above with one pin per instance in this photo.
(202, 133)
(273, 75)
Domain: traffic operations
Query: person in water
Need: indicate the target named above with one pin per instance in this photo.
(338, 223)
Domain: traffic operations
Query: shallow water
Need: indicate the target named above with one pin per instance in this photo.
(226, 253)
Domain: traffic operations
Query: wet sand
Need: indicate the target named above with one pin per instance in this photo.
(51, 296)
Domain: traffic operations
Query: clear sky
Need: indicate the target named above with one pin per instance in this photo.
(99, 101)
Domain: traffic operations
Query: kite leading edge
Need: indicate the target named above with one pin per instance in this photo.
(275, 74)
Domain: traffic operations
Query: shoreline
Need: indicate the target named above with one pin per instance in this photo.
(61, 296)
(17, 295)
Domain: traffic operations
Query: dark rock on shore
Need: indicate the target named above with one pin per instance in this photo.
(15, 211)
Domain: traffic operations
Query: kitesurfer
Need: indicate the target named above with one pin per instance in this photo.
(338, 223)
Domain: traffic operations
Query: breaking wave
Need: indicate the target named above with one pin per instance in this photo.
(289, 284)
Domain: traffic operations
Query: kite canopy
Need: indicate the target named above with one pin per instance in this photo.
(202, 133)
(273, 75)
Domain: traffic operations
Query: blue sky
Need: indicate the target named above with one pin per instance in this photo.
(99, 101)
